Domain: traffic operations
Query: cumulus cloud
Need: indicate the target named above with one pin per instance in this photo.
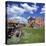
(15, 10)
(36, 7)
(19, 19)
(29, 8)
(42, 10)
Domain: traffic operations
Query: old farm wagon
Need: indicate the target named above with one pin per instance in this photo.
(15, 26)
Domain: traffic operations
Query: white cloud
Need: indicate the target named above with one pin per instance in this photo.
(42, 10)
(29, 8)
(36, 7)
(19, 19)
(15, 10)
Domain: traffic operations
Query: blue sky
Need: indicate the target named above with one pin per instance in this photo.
(25, 9)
